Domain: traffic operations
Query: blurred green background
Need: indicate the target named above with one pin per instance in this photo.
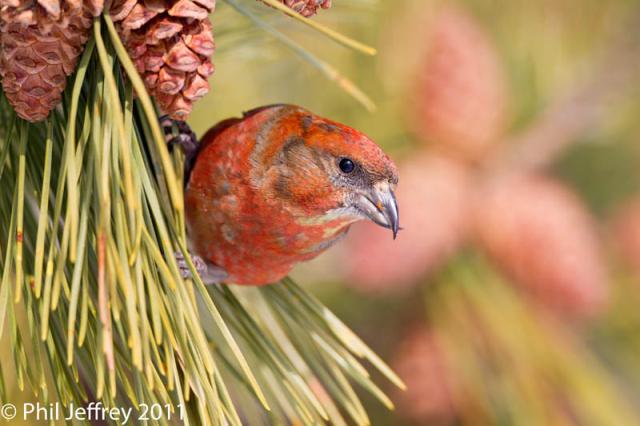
(513, 298)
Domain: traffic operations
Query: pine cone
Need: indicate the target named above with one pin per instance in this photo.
(434, 198)
(171, 43)
(460, 90)
(423, 366)
(40, 42)
(306, 8)
(540, 234)
(625, 230)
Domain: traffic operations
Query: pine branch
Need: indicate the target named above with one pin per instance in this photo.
(90, 218)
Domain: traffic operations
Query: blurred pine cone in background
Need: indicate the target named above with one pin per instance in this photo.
(625, 229)
(433, 199)
(460, 95)
(40, 42)
(306, 8)
(540, 234)
(422, 365)
(171, 43)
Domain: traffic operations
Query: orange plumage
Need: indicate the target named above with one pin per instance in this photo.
(279, 186)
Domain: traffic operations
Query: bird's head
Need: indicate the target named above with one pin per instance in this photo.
(322, 169)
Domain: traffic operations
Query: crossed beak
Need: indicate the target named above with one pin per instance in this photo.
(379, 204)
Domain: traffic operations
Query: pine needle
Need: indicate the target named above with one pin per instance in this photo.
(334, 35)
(324, 67)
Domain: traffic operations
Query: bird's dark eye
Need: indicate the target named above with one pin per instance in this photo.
(346, 165)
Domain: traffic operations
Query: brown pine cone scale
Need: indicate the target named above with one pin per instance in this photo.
(171, 44)
(40, 43)
(306, 8)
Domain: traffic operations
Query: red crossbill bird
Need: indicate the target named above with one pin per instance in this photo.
(276, 187)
